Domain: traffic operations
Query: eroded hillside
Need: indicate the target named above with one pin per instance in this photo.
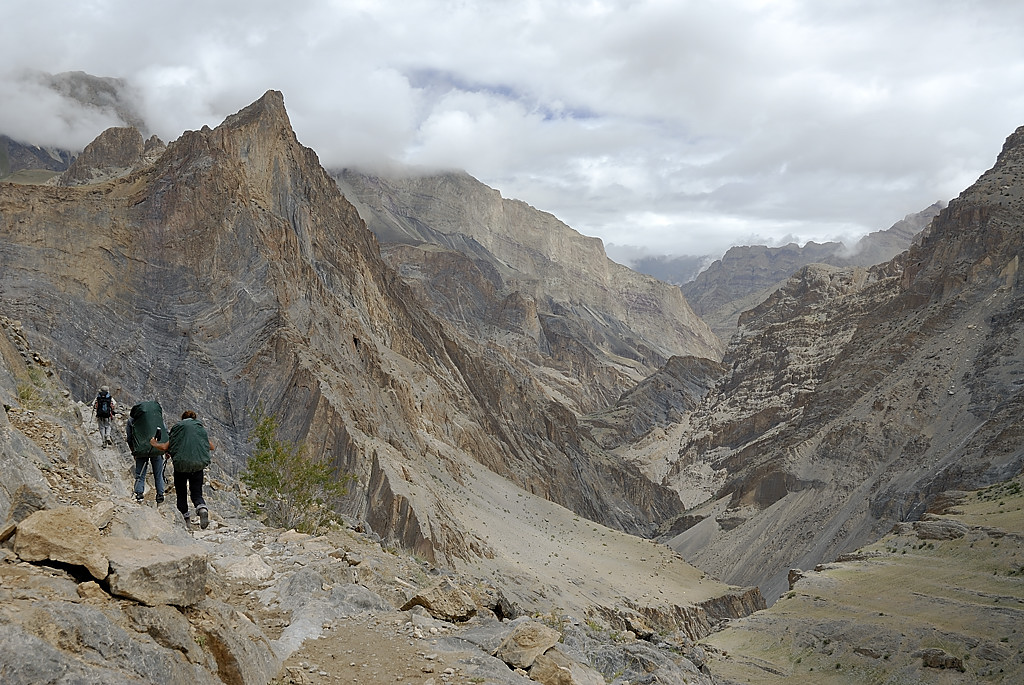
(856, 397)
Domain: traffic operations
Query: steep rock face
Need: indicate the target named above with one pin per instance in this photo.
(855, 397)
(745, 275)
(508, 274)
(231, 272)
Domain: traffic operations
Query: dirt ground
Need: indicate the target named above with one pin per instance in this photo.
(373, 651)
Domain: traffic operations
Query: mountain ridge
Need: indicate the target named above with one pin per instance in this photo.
(231, 272)
(857, 396)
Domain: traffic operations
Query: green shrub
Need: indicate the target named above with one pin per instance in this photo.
(292, 488)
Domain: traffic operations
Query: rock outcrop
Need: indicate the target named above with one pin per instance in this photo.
(857, 396)
(115, 153)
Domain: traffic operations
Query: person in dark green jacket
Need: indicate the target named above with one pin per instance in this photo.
(145, 420)
(190, 448)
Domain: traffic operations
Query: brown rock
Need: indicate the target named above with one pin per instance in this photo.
(555, 667)
(525, 643)
(66, 535)
(934, 657)
(940, 530)
(91, 590)
(446, 601)
(112, 154)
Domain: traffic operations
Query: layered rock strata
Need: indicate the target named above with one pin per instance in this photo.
(509, 275)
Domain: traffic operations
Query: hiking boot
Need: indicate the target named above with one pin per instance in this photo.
(159, 499)
(204, 517)
(138, 498)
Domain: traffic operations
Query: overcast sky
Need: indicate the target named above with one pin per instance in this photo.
(675, 126)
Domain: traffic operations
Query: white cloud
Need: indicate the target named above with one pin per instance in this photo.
(673, 125)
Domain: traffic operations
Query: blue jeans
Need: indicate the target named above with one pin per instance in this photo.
(141, 464)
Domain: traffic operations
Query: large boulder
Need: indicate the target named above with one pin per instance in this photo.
(243, 652)
(555, 667)
(446, 601)
(66, 535)
(525, 643)
(153, 573)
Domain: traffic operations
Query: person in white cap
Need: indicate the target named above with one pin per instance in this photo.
(105, 406)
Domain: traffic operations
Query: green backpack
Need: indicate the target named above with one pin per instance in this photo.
(190, 446)
(144, 420)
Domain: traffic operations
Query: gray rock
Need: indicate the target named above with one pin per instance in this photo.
(72, 643)
(147, 523)
(101, 514)
(170, 629)
(27, 499)
(486, 633)
(635, 661)
(152, 573)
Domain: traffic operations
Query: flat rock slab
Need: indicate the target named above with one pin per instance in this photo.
(154, 574)
(66, 535)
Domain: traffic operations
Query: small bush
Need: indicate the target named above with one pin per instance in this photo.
(292, 488)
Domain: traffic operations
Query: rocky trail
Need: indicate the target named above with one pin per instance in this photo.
(96, 587)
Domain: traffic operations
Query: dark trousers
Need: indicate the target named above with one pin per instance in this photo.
(186, 484)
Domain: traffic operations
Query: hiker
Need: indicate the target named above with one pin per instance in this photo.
(104, 405)
(145, 421)
(190, 448)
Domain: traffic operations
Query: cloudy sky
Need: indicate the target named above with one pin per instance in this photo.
(660, 126)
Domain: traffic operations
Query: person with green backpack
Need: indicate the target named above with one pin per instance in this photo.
(190, 448)
(146, 421)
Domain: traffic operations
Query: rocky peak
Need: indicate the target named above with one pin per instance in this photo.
(231, 272)
(115, 153)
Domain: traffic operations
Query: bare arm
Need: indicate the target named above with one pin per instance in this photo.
(162, 446)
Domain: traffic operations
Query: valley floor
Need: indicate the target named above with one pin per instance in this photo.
(936, 601)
